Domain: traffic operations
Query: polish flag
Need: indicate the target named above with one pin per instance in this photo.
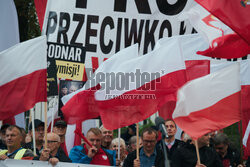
(23, 77)
(224, 43)
(153, 80)
(190, 44)
(209, 103)
(81, 105)
(233, 13)
(245, 106)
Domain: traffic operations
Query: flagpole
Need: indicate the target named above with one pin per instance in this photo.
(137, 141)
(241, 143)
(197, 152)
(119, 143)
(33, 130)
(45, 124)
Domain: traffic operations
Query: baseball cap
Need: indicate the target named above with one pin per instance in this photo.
(37, 123)
(61, 123)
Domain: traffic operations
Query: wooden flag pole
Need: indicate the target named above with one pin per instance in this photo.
(197, 152)
(137, 141)
(45, 125)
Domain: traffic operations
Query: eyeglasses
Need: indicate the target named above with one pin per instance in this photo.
(50, 141)
(148, 141)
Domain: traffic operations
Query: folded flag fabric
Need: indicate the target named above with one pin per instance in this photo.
(209, 103)
(224, 43)
(234, 13)
(81, 105)
(147, 82)
(23, 77)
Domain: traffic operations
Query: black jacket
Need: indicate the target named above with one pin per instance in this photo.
(233, 155)
(185, 156)
(30, 146)
(60, 155)
(170, 152)
(159, 161)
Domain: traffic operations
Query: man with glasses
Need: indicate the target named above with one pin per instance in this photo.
(53, 153)
(39, 134)
(149, 154)
(93, 155)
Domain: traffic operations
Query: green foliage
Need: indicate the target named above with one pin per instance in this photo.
(27, 19)
(148, 123)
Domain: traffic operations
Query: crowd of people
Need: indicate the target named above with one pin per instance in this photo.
(215, 149)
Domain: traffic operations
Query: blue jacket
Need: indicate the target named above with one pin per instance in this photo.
(78, 155)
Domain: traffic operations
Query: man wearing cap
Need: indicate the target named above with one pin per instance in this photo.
(39, 134)
(60, 129)
(93, 154)
(13, 141)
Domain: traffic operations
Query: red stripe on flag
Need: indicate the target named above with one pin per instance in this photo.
(220, 115)
(81, 106)
(22, 93)
(140, 104)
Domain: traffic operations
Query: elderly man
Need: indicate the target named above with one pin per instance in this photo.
(13, 138)
(39, 134)
(60, 128)
(186, 155)
(229, 155)
(53, 153)
(150, 155)
(93, 155)
(107, 137)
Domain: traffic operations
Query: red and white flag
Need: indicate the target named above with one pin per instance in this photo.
(224, 43)
(81, 105)
(245, 106)
(23, 77)
(233, 13)
(141, 86)
(209, 103)
(194, 68)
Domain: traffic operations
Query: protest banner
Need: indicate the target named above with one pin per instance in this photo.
(82, 34)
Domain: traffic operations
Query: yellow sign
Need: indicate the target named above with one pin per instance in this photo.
(69, 70)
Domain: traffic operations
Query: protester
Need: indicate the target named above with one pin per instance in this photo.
(14, 150)
(107, 137)
(229, 155)
(149, 154)
(186, 155)
(132, 144)
(115, 146)
(131, 131)
(39, 134)
(53, 153)
(171, 143)
(2, 136)
(93, 155)
(60, 128)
